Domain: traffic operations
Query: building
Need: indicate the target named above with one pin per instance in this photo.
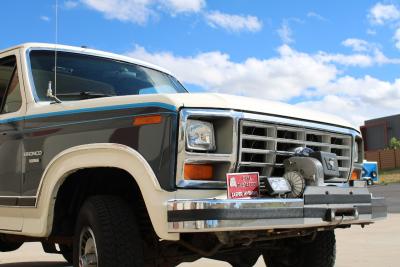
(378, 132)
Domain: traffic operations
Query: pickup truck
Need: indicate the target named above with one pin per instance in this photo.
(110, 162)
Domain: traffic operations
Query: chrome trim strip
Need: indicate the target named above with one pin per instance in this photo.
(184, 156)
(29, 71)
(18, 196)
(201, 184)
(198, 204)
(299, 122)
(198, 157)
(261, 224)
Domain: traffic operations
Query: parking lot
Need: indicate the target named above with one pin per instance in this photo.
(375, 245)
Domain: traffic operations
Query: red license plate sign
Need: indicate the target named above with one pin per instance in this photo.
(243, 185)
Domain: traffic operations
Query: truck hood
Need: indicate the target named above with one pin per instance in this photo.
(197, 100)
(240, 103)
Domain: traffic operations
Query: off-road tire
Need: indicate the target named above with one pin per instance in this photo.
(116, 232)
(320, 252)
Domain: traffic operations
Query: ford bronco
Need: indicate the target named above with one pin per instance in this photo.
(109, 161)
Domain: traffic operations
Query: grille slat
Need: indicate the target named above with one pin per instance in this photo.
(255, 151)
(255, 137)
(292, 141)
(266, 151)
(260, 164)
(264, 147)
(257, 164)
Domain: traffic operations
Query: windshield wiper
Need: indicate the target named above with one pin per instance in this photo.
(84, 94)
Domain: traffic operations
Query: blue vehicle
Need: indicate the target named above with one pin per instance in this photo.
(370, 172)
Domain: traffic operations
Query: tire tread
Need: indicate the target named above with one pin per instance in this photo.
(118, 238)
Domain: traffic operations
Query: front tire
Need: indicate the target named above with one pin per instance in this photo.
(320, 252)
(107, 235)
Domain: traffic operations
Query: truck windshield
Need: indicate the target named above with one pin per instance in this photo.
(81, 76)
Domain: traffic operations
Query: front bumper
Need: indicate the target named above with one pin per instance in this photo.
(321, 207)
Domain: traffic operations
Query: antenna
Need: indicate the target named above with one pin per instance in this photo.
(55, 51)
(50, 92)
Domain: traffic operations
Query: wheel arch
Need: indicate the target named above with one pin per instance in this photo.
(95, 156)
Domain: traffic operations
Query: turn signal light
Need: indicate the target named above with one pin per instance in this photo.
(147, 119)
(354, 175)
(198, 171)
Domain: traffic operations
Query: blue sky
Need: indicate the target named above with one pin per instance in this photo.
(341, 57)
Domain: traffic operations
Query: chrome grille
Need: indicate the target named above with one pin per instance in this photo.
(264, 147)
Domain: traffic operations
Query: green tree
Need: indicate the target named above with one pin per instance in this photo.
(394, 143)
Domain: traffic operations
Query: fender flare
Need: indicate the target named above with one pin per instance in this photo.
(92, 156)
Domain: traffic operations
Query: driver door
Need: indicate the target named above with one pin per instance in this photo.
(12, 111)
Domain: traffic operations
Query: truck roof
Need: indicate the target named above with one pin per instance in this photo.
(85, 50)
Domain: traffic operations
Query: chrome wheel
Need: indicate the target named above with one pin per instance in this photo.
(87, 248)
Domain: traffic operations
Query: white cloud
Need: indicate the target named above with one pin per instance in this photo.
(140, 11)
(233, 23)
(396, 38)
(381, 13)
(366, 55)
(45, 18)
(359, 60)
(281, 78)
(287, 75)
(358, 99)
(341, 106)
(357, 45)
(371, 32)
(136, 11)
(386, 13)
(315, 15)
(285, 33)
(178, 6)
(368, 89)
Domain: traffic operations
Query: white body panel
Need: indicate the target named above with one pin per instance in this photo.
(38, 221)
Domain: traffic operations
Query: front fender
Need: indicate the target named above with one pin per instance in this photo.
(38, 222)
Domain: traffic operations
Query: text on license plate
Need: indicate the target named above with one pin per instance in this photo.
(243, 185)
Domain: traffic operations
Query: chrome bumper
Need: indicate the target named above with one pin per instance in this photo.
(320, 207)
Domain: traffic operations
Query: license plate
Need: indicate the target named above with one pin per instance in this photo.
(243, 185)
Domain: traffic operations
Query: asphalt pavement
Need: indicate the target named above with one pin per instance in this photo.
(391, 193)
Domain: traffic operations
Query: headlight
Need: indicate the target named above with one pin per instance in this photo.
(200, 135)
(355, 152)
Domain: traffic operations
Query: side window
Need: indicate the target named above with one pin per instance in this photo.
(7, 65)
(10, 91)
(13, 100)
